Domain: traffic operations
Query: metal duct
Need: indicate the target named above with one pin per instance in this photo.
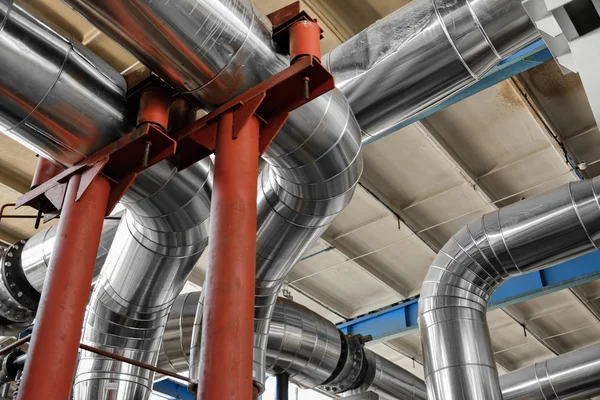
(213, 50)
(516, 239)
(423, 53)
(56, 97)
(572, 376)
(23, 268)
(306, 346)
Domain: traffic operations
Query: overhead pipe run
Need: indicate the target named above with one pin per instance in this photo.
(24, 266)
(212, 51)
(57, 98)
(522, 237)
(308, 348)
(423, 53)
(573, 376)
(305, 346)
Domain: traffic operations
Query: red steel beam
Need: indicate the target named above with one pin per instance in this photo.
(52, 354)
(228, 320)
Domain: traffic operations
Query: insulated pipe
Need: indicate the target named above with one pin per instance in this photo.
(516, 239)
(23, 269)
(57, 331)
(572, 376)
(212, 51)
(56, 97)
(421, 54)
(307, 347)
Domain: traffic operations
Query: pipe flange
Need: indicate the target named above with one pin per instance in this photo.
(351, 369)
(15, 280)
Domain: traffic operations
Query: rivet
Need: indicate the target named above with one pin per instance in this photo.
(23, 241)
(20, 294)
(16, 247)
(13, 285)
(9, 254)
(7, 264)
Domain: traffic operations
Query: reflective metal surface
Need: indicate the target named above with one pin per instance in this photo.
(57, 97)
(307, 347)
(572, 376)
(156, 246)
(36, 252)
(390, 381)
(423, 53)
(519, 238)
(26, 263)
(200, 46)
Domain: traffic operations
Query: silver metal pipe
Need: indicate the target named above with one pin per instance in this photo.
(213, 50)
(418, 56)
(516, 239)
(56, 97)
(23, 268)
(572, 376)
(306, 346)
(35, 256)
(156, 246)
(389, 381)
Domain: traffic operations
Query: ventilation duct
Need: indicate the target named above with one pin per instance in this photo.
(213, 50)
(516, 239)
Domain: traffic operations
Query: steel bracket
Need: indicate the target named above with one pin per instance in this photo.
(119, 162)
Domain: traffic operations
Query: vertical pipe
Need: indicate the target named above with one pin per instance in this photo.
(282, 386)
(228, 320)
(53, 351)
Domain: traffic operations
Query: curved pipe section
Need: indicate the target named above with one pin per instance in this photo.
(56, 97)
(423, 53)
(159, 241)
(516, 239)
(314, 162)
(306, 346)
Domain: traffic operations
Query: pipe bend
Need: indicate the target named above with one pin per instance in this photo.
(516, 239)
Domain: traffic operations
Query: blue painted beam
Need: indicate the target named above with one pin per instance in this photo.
(172, 390)
(401, 319)
(531, 56)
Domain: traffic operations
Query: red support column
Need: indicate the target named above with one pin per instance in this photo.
(228, 320)
(53, 351)
(45, 170)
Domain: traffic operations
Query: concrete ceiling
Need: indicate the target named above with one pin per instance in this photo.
(419, 186)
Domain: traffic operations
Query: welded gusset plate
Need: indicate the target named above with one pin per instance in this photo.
(270, 101)
(119, 162)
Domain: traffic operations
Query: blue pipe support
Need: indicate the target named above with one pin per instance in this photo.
(401, 319)
(172, 389)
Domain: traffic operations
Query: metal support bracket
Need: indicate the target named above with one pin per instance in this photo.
(270, 102)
